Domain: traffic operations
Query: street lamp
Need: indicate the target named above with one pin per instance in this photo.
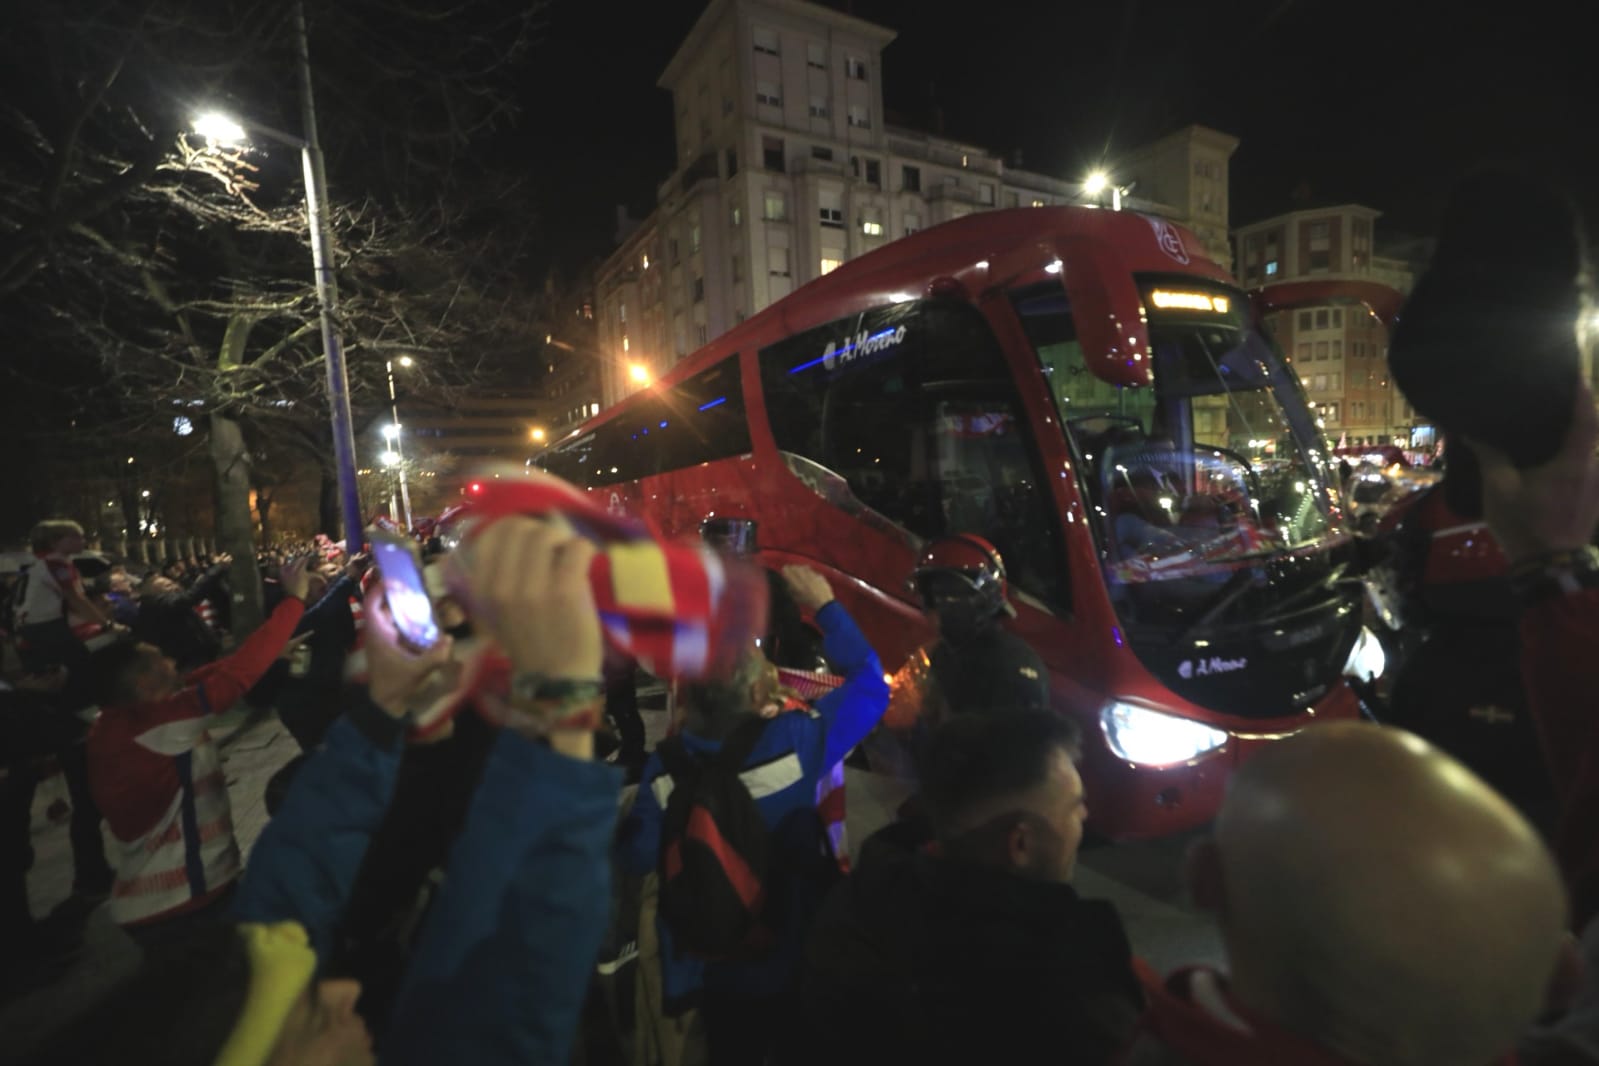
(222, 130)
(1098, 181)
(638, 373)
(536, 435)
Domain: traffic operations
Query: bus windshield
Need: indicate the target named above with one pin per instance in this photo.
(1205, 482)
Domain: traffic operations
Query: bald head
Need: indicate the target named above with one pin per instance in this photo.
(1379, 899)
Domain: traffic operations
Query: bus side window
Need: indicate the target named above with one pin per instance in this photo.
(915, 408)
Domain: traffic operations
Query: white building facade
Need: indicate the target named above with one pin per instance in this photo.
(786, 169)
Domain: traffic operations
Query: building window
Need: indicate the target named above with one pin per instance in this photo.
(1338, 318)
(694, 238)
(766, 41)
(874, 173)
(1038, 203)
(699, 289)
(871, 227)
(621, 312)
(732, 162)
(1013, 199)
(910, 179)
(738, 268)
(1335, 382)
(777, 262)
(816, 56)
(699, 328)
(859, 118)
(829, 265)
(818, 107)
(1303, 351)
(1321, 350)
(1304, 320)
(1323, 319)
(624, 348)
(820, 152)
(737, 215)
(913, 222)
(776, 206)
(1320, 231)
(1337, 349)
(855, 69)
(1271, 268)
(769, 93)
(772, 154)
(644, 263)
(832, 217)
(985, 193)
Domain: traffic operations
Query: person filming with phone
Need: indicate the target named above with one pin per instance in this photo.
(502, 964)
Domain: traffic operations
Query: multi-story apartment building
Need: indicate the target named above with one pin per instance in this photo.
(1339, 349)
(786, 168)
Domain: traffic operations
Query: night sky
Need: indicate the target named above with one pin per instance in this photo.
(1359, 101)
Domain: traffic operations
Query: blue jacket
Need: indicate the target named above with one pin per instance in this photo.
(793, 753)
(502, 969)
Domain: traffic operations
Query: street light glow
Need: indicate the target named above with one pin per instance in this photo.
(219, 129)
(536, 434)
(391, 458)
(1096, 183)
(637, 372)
(391, 431)
(406, 360)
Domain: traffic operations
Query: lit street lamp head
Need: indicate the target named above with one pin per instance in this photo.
(638, 374)
(219, 129)
(536, 434)
(391, 431)
(406, 360)
(390, 458)
(1096, 183)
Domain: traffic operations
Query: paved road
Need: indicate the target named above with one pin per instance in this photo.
(1141, 879)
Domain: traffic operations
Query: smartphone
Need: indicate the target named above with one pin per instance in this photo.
(404, 588)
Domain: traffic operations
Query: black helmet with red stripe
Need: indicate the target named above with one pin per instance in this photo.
(962, 573)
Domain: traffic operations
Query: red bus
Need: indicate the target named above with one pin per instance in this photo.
(1081, 388)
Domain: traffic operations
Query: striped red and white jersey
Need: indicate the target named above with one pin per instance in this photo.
(157, 777)
(207, 612)
(166, 801)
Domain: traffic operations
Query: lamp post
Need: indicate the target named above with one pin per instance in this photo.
(392, 434)
(222, 130)
(1097, 182)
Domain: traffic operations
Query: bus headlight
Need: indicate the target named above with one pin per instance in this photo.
(1151, 738)
(1366, 659)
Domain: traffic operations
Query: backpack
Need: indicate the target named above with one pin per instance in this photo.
(715, 850)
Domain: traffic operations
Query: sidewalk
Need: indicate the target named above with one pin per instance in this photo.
(253, 749)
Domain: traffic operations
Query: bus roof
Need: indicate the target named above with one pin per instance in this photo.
(963, 248)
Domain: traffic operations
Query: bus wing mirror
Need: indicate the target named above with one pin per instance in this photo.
(1107, 311)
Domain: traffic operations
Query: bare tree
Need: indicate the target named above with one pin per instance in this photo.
(149, 277)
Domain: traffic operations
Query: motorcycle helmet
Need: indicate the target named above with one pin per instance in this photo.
(963, 574)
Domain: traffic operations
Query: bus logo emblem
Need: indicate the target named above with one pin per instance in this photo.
(1170, 241)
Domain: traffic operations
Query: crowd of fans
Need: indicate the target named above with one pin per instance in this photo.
(523, 882)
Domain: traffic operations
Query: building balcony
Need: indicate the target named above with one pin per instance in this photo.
(809, 164)
(954, 193)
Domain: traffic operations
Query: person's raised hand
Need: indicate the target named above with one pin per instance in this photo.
(809, 589)
(527, 584)
(1549, 508)
(295, 578)
(357, 566)
(400, 681)
(223, 560)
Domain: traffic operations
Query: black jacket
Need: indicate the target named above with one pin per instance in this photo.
(168, 620)
(920, 959)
